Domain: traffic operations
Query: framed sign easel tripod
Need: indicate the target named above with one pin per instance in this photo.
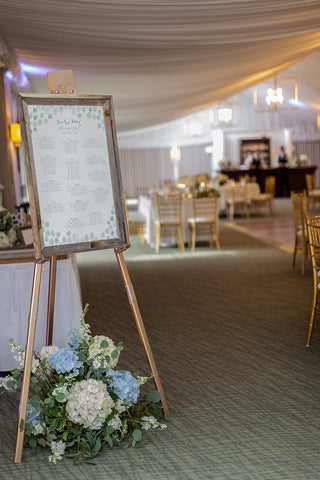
(76, 199)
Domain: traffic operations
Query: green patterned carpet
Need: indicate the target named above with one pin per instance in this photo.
(228, 332)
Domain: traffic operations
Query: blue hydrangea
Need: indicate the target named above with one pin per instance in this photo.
(30, 417)
(65, 361)
(74, 338)
(124, 385)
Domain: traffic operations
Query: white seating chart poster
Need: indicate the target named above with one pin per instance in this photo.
(71, 165)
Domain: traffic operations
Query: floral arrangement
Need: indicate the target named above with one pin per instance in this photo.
(8, 236)
(79, 402)
(221, 179)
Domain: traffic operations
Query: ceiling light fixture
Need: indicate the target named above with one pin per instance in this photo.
(282, 95)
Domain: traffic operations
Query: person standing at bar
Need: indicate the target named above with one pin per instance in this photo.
(255, 164)
(283, 186)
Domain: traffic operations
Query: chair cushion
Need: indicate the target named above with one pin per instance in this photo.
(200, 220)
(262, 197)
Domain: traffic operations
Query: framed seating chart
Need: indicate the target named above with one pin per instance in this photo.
(74, 180)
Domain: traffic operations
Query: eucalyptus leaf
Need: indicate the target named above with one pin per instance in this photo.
(11, 383)
(137, 435)
(114, 354)
(104, 344)
(35, 401)
(154, 396)
(97, 446)
(33, 443)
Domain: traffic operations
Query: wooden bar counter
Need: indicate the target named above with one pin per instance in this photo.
(297, 180)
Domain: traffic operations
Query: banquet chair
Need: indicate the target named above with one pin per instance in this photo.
(136, 221)
(301, 243)
(313, 228)
(313, 193)
(266, 199)
(204, 218)
(168, 221)
(237, 199)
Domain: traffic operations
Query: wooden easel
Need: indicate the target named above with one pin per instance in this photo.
(63, 83)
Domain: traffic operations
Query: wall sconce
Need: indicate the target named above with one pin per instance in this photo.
(282, 95)
(318, 121)
(15, 134)
(175, 154)
(175, 157)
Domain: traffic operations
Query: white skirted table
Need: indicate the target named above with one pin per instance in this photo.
(148, 209)
(146, 206)
(15, 293)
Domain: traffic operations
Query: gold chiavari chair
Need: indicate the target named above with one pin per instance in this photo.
(312, 191)
(266, 199)
(237, 199)
(301, 243)
(168, 220)
(204, 218)
(136, 221)
(313, 228)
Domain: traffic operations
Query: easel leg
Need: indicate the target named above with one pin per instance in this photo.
(51, 298)
(28, 361)
(139, 323)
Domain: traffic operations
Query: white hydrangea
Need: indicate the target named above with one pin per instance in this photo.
(89, 403)
(63, 390)
(98, 353)
(46, 351)
(57, 449)
(150, 421)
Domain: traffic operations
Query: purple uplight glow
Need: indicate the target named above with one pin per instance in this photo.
(22, 80)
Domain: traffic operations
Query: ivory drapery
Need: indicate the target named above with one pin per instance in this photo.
(160, 60)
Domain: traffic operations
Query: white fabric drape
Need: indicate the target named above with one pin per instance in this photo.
(160, 60)
(149, 168)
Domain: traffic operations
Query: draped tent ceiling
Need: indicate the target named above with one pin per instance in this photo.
(162, 60)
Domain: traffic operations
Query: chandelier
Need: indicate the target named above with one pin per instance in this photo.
(278, 94)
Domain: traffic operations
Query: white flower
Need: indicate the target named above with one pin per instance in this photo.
(115, 423)
(12, 236)
(63, 390)
(142, 380)
(120, 406)
(46, 351)
(89, 403)
(4, 240)
(35, 365)
(150, 421)
(98, 352)
(57, 449)
(38, 429)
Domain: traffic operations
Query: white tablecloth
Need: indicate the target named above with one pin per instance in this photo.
(252, 190)
(15, 294)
